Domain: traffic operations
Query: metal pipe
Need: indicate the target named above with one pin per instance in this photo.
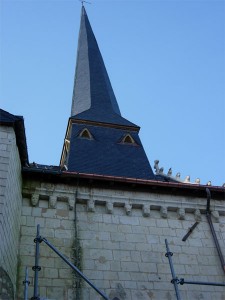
(174, 280)
(74, 268)
(209, 219)
(189, 232)
(182, 281)
(36, 268)
(208, 200)
(26, 283)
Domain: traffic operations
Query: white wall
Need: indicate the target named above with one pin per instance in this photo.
(122, 237)
(10, 201)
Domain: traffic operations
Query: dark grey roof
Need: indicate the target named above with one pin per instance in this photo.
(92, 87)
(94, 106)
(7, 118)
(103, 116)
(17, 122)
(106, 155)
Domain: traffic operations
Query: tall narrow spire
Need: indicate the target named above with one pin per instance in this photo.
(98, 139)
(92, 87)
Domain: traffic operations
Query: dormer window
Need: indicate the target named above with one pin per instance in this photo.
(127, 139)
(85, 134)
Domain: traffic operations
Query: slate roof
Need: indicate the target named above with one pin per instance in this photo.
(17, 122)
(92, 87)
(106, 155)
(94, 107)
(103, 116)
(7, 118)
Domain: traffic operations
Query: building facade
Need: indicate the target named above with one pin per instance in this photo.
(104, 208)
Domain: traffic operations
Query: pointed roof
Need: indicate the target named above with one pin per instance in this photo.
(17, 122)
(93, 96)
(102, 150)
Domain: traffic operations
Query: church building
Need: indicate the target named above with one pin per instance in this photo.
(132, 231)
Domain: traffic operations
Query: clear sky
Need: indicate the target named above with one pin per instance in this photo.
(166, 62)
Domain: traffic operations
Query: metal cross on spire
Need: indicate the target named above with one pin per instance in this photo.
(82, 2)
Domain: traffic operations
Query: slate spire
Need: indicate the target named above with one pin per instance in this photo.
(98, 139)
(92, 87)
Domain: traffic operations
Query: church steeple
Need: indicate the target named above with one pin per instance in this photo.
(98, 139)
(92, 87)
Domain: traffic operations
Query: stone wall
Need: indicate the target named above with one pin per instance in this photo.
(117, 238)
(123, 243)
(56, 219)
(10, 206)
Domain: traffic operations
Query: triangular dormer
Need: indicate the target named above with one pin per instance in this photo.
(85, 134)
(128, 139)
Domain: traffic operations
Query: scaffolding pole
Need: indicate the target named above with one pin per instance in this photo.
(182, 281)
(174, 280)
(42, 239)
(26, 283)
(36, 268)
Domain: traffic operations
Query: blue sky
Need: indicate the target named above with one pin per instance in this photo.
(166, 62)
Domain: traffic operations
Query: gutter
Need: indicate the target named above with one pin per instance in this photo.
(174, 188)
(209, 219)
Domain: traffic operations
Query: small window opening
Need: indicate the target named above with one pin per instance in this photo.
(85, 134)
(128, 139)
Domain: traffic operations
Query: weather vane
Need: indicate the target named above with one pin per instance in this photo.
(82, 2)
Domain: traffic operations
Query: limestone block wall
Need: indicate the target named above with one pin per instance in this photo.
(10, 208)
(53, 210)
(122, 236)
(117, 238)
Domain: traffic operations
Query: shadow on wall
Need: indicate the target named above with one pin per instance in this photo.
(6, 286)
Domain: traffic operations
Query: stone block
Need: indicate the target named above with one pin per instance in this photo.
(88, 264)
(109, 227)
(110, 245)
(153, 239)
(129, 266)
(30, 221)
(139, 229)
(115, 266)
(94, 275)
(52, 213)
(4, 154)
(135, 256)
(136, 238)
(63, 233)
(65, 273)
(62, 283)
(102, 264)
(67, 224)
(162, 223)
(51, 272)
(117, 236)
(122, 276)
(36, 211)
(129, 221)
(138, 276)
(26, 211)
(55, 292)
(174, 223)
(120, 255)
(52, 223)
(97, 254)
